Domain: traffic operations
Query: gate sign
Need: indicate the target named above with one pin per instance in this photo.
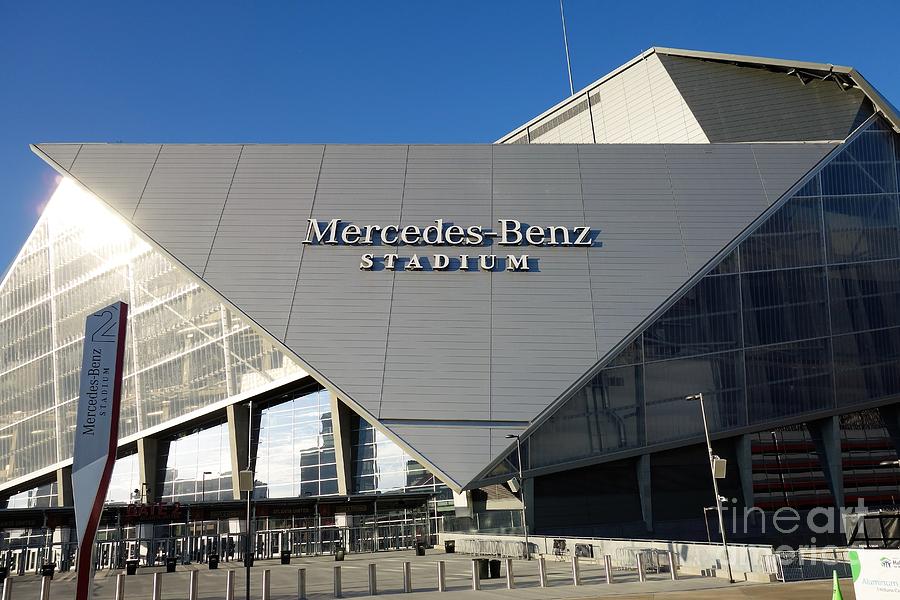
(96, 428)
(876, 573)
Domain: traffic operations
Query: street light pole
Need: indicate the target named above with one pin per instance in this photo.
(522, 492)
(712, 470)
(248, 546)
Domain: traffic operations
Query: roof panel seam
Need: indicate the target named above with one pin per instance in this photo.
(587, 251)
(387, 332)
(146, 183)
(312, 207)
(74, 158)
(212, 243)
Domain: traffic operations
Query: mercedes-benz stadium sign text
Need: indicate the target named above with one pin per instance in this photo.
(510, 232)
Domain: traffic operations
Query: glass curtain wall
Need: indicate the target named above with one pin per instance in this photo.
(804, 316)
(196, 465)
(379, 466)
(185, 348)
(42, 496)
(125, 485)
(295, 452)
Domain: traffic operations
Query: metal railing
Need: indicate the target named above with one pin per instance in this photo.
(806, 564)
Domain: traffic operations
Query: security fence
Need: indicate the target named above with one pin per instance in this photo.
(811, 564)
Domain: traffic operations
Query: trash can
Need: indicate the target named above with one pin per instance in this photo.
(495, 569)
(285, 557)
(248, 561)
(4, 572)
(339, 553)
(213, 560)
(131, 566)
(171, 561)
(450, 546)
(47, 570)
(420, 548)
(483, 568)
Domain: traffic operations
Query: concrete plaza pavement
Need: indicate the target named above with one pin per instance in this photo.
(354, 575)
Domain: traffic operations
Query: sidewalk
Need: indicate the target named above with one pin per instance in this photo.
(354, 575)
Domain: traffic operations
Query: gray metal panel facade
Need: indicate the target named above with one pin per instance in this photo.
(778, 165)
(62, 154)
(734, 103)
(643, 256)
(117, 172)
(640, 104)
(184, 198)
(447, 313)
(427, 350)
(458, 451)
(533, 356)
(269, 202)
(340, 316)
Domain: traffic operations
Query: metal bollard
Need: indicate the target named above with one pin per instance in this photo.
(607, 562)
(229, 585)
(373, 581)
(301, 584)
(120, 586)
(194, 586)
(45, 587)
(266, 584)
(442, 576)
(7, 588)
(156, 593)
(476, 576)
(510, 578)
(407, 577)
(640, 567)
(576, 571)
(337, 582)
(542, 571)
(673, 568)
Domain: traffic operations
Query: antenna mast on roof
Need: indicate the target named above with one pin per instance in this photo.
(562, 16)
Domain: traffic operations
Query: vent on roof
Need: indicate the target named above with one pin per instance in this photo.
(559, 119)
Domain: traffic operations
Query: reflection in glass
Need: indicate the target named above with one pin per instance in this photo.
(196, 465)
(295, 453)
(861, 228)
(125, 481)
(43, 496)
(864, 296)
(867, 365)
(788, 379)
(186, 349)
(784, 305)
(754, 335)
(719, 377)
(380, 465)
(704, 320)
(791, 237)
(604, 416)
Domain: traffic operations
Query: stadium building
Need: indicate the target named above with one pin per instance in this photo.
(371, 327)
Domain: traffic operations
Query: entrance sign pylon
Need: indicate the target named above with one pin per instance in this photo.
(96, 429)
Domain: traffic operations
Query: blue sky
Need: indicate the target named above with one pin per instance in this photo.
(355, 71)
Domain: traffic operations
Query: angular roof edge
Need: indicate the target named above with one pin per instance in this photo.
(442, 474)
(822, 69)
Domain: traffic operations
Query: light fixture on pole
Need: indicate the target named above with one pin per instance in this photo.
(715, 464)
(203, 486)
(518, 439)
(246, 485)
